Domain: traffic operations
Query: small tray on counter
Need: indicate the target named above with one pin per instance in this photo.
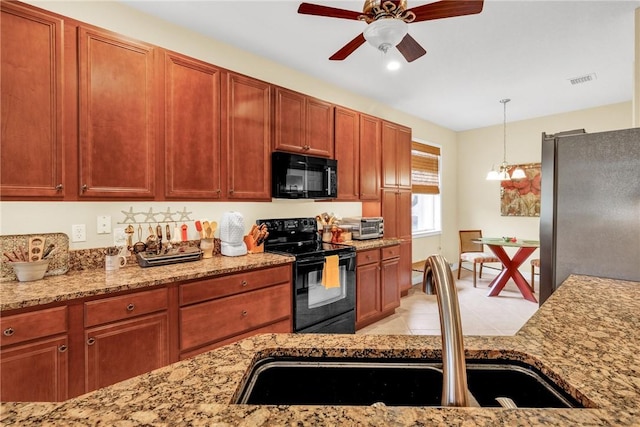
(58, 265)
(151, 259)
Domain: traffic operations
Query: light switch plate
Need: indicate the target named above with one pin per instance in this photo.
(104, 224)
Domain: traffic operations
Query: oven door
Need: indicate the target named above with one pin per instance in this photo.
(313, 302)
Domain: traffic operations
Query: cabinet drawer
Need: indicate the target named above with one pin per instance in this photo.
(390, 252)
(204, 290)
(37, 324)
(368, 256)
(224, 317)
(124, 306)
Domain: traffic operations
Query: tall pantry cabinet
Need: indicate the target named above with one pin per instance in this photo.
(395, 204)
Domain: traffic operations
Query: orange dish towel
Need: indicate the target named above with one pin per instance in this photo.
(330, 272)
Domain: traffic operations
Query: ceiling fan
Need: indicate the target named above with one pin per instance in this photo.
(387, 22)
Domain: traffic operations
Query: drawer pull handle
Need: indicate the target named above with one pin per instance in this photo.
(130, 307)
(91, 341)
(244, 313)
(8, 332)
(243, 283)
(62, 348)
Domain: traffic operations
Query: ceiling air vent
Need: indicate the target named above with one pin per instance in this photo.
(583, 79)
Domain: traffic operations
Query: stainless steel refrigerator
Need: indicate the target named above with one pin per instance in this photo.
(590, 206)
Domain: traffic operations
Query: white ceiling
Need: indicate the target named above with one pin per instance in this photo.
(519, 49)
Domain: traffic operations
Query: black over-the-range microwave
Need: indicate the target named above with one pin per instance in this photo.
(303, 177)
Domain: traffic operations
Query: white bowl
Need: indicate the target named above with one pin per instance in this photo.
(29, 271)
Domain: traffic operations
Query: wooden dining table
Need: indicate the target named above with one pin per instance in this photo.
(510, 270)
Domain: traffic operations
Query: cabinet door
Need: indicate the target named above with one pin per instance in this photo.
(117, 116)
(347, 153)
(289, 126)
(35, 372)
(405, 273)
(192, 129)
(389, 284)
(396, 155)
(403, 215)
(390, 212)
(403, 141)
(122, 350)
(31, 103)
(369, 158)
(389, 155)
(319, 127)
(247, 130)
(367, 291)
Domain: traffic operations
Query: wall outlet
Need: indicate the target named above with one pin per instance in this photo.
(119, 237)
(104, 224)
(79, 233)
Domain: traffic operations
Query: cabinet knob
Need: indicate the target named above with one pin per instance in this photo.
(244, 313)
(8, 332)
(218, 191)
(91, 341)
(231, 191)
(59, 187)
(62, 348)
(130, 307)
(84, 188)
(243, 283)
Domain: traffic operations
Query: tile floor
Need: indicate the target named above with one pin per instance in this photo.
(481, 315)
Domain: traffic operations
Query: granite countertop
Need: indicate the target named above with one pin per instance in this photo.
(86, 283)
(586, 336)
(81, 284)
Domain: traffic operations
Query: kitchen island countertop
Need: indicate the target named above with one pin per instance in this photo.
(586, 336)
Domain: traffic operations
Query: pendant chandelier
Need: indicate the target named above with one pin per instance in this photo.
(502, 174)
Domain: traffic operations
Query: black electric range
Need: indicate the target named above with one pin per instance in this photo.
(320, 305)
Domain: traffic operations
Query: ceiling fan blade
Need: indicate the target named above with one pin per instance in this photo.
(447, 9)
(349, 48)
(332, 12)
(410, 48)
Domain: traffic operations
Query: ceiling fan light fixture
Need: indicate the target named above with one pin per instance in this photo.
(385, 33)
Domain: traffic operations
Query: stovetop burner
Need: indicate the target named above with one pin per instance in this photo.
(298, 237)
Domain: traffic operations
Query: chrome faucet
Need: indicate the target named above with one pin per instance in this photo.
(454, 370)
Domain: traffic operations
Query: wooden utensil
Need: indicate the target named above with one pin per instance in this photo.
(214, 227)
(36, 248)
(206, 228)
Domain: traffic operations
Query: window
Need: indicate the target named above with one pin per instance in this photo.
(425, 178)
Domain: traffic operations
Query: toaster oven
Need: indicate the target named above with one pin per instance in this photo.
(363, 228)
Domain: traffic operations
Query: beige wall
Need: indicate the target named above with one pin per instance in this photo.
(478, 200)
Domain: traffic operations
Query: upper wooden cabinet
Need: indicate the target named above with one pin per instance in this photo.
(302, 124)
(370, 135)
(192, 128)
(347, 153)
(31, 92)
(357, 150)
(396, 155)
(247, 138)
(117, 116)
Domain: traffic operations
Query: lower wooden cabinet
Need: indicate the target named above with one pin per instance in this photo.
(34, 356)
(57, 353)
(233, 306)
(121, 350)
(377, 284)
(35, 372)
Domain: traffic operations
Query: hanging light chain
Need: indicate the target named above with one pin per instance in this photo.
(504, 130)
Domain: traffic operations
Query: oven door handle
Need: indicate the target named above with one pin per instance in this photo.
(321, 259)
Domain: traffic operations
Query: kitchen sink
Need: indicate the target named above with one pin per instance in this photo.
(394, 382)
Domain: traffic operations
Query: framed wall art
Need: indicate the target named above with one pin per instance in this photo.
(521, 197)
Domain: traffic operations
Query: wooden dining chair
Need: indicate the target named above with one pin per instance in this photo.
(473, 252)
(535, 263)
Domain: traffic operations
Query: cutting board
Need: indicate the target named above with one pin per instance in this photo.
(59, 263)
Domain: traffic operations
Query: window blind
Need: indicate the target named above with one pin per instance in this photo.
(425, 177)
